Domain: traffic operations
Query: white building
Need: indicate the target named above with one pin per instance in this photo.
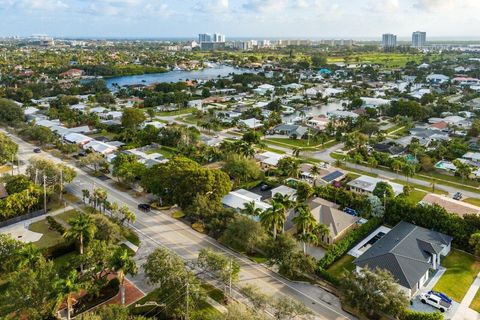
(389, 40)
(419, 39)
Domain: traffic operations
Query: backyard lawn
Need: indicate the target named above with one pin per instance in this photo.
(462, 268)
(176, 112)
(339, 267)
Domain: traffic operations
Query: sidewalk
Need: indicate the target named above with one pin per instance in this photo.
(464, 312)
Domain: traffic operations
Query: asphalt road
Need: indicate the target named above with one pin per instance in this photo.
(160, 229)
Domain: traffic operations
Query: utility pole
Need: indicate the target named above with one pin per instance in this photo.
(36, 176)
(186, 304)
(13, 163)
(230, 279)
(45, 193)
(61, 185)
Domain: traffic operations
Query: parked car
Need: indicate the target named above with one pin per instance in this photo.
(457, 196)
(436, 300)
(265, 187)
(144, 207)
(37, 150)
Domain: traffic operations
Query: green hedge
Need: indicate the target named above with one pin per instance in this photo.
(55, 225)
(417, 315)
(341, 247)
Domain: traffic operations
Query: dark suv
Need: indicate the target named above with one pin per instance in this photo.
(144, 207)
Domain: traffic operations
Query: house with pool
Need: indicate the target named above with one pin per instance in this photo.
(411, 253)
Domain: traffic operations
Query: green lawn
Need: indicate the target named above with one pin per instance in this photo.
(49, 238)
(475, 305)
(338, 268)
(474, 201)
(65, 260)
(175, 113)
(462, 268)
(419, 186)
(267, 148)
(416, 196)
(293, 143)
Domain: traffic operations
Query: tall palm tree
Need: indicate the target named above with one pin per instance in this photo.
(315, 171)
(274, 217)
(320, 230)
(284, 199)
(66, 288)
(81, 229)
(127, 215)
(305, 223)
(250, 209)
(296, 152)
(85, 194)
(122, 264)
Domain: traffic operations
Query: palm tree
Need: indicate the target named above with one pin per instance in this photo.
(320, 230)
(296, 152)
(28, 256)
(85, 194)
(284, 199)
(274, 217)
(315, 171)
(66, 288)
(81, 229)
(433, 184)
(250, 209)
(305, 223)
(122, 264)
(127, 215)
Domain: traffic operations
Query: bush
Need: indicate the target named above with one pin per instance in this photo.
(328, 277)
(59, 250)
(341, 247)
(55, 225)
(417, 315)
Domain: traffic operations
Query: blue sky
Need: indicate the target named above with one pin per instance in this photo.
(238, 18)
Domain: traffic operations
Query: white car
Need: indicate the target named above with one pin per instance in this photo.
(435, 301)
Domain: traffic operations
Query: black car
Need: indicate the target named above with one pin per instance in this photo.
(144, 207)
(457, 196)
(37, 150)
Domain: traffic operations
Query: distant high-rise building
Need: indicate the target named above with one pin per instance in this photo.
(419, 39)
(205, 37)
(218, 37)
(389, 40)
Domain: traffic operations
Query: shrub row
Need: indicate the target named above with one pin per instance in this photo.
(55, 225)
(341, 247)
(417, 315)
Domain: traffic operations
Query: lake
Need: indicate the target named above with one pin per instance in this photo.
(323, 109)
(175, 76)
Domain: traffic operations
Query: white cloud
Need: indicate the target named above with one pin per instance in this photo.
(45, 5)
(447, 5)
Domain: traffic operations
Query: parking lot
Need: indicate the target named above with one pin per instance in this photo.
(417, 305)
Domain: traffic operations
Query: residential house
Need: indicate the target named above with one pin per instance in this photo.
(451, 205)
(264, 88)
(366, 184)
(285, 191)
(239, 198)
(291, 130)
(77, 138)
(100, 147)
(318, 122)
(437, 79)
(374, 102)
(251, 123)
(409, 252)
(327, 213)
(268, 159)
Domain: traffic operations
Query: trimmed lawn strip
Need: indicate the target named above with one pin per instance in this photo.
(419, 186)
(175, 113)
(416, 196)
(50, 238)
(267, 148)
(476, 302)
(474, 201)
(462, 269)
(338, 268)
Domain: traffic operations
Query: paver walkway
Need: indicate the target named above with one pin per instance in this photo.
(464, 312)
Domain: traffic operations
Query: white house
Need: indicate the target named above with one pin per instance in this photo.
(437, 78)
(264, 88)
(239, 198)
(77, 138)
(251, 123)
(100, 147)
(366, 184)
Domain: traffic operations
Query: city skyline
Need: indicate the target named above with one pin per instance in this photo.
(241, 18)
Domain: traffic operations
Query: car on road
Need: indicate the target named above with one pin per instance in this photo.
(436, 300)
(144, 207)
(457, 196)
(37, 150)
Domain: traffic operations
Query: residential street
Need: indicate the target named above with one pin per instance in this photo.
(160, 229)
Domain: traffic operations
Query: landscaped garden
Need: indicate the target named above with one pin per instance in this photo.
(462, 268)
(345, 263)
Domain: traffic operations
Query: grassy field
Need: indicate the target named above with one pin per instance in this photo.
(293, 143)
(474, 201)
(419, 186)
(5, 169)
(339, 267)
(462, 268)
(390, 60)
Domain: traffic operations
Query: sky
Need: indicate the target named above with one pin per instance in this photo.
(240, 18)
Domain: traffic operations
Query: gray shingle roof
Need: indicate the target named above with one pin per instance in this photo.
(404, 251)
